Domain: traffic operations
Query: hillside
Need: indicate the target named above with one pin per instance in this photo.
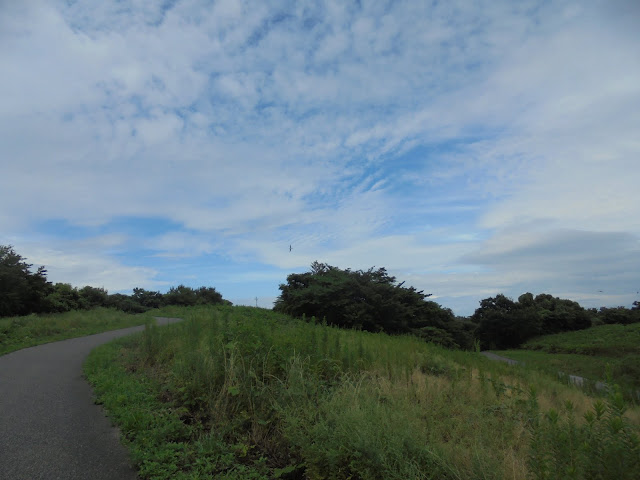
(248, 393)
(596, 353)
(606, 340)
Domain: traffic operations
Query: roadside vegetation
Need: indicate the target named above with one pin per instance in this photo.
(239, 392)
(373, 301)
(605, 353)
(352, 375)
(31, 330)
(606, 340)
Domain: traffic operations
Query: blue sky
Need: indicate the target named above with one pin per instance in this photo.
(471, 148)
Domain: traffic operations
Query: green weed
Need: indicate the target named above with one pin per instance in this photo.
(247, 393)
(31, 330)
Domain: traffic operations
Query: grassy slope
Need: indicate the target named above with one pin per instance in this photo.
(605, 340)
(593, 353)
(21, 332)
(246, 393)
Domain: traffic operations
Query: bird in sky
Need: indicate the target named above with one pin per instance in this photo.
(289, 247)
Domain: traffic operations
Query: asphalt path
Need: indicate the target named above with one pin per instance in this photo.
(50, 427)
(500, 358)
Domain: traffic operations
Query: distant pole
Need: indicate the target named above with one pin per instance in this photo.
(256, 302)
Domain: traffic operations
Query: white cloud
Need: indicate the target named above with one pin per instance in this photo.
(88, 267)
(255, 126)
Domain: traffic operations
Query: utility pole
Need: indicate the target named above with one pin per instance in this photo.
(256, 302)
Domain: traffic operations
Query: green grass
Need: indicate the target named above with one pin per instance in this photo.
(595, 353)
(242, 392)
(583, 365)
(28, 331)
(605, 340)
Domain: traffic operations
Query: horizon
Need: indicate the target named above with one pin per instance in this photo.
(470, 150)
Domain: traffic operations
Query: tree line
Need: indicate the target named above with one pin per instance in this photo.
(370, 300)
(24, 290)
(373, 300)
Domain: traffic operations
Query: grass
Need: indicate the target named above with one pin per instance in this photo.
(606, 340)
(597, 353)
(242, 392)
(28, 331)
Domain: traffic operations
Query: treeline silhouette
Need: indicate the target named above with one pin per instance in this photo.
(373, 300)
(24, 291)
(370, 300)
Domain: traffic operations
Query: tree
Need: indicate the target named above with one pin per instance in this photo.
(503, 323)
(369, 300)
(21, 291)
(125, 303)
(619, 315)
(92, 297)
(64, 298)
(208, 296)
(147, 299)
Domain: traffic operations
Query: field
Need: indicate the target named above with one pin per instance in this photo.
(606, 340)
(597, 353)
(239, 392)
(31, 330)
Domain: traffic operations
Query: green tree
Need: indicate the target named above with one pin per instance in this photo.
(181, 295)
(619, 315)
(503, 323)
(21, 291)
(92, 297)
(561, 315)
(125, 303)
(369, 300)
(146, 298)
(208, 296)
(64, 298)
(497, 322)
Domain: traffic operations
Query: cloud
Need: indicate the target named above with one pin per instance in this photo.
(88, 266)
(467, 147)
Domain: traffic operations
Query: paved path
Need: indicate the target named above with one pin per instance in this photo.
(500, 358)
(50, 427)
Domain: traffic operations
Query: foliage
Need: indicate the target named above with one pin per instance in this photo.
(621, 315)
(503, 323)
(605, 340)
(21, 290)
(30, 330)
(64, 298)
(248, 393)
(588, 353)
(147, 299)
(368, 300)
(187, 296)
(606, 446)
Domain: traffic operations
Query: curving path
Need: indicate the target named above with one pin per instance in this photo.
(50, 427)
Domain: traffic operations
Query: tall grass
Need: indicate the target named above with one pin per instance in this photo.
(589, 353)
(607, 340)
(266, 396)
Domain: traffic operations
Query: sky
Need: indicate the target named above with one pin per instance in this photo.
(470, 148)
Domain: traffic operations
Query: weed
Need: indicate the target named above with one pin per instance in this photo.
(245, 393)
